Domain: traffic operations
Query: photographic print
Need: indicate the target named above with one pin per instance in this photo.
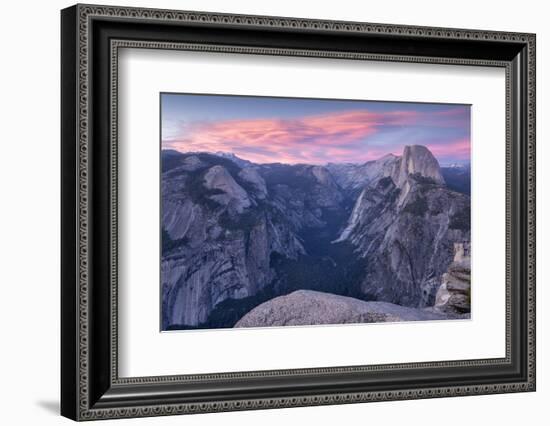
(295, 211)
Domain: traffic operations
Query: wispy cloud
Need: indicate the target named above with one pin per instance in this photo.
(459, 149)
(354, 135)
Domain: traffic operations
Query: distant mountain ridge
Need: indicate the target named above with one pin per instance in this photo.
(237, 234)
(458, 177)
(353, 176)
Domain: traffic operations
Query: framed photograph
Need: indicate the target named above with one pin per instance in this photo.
(263, 212)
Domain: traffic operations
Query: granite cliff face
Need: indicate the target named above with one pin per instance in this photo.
(237, 234)
(354, 177)
(223, 223)
(454, 294)
(417, 160)
(406, 224)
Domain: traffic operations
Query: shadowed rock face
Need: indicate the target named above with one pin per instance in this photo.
(305, 307)
(236, 231)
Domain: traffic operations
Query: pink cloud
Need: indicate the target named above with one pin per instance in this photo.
(336, 137)
(459, 149)
(301, 135)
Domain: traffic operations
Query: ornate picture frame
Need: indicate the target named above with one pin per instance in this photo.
(91, 37)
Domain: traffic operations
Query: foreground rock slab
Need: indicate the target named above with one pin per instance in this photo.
(306, 307)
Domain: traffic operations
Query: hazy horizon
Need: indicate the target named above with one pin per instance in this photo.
(301, 163)
(312, 131)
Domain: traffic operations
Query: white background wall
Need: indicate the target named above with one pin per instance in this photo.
(29, 213)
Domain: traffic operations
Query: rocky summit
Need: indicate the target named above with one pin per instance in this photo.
(239, 239)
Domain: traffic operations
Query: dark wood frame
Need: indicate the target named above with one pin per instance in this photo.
(91, 37)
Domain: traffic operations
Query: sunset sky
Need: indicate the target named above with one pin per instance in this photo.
(290, 130)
